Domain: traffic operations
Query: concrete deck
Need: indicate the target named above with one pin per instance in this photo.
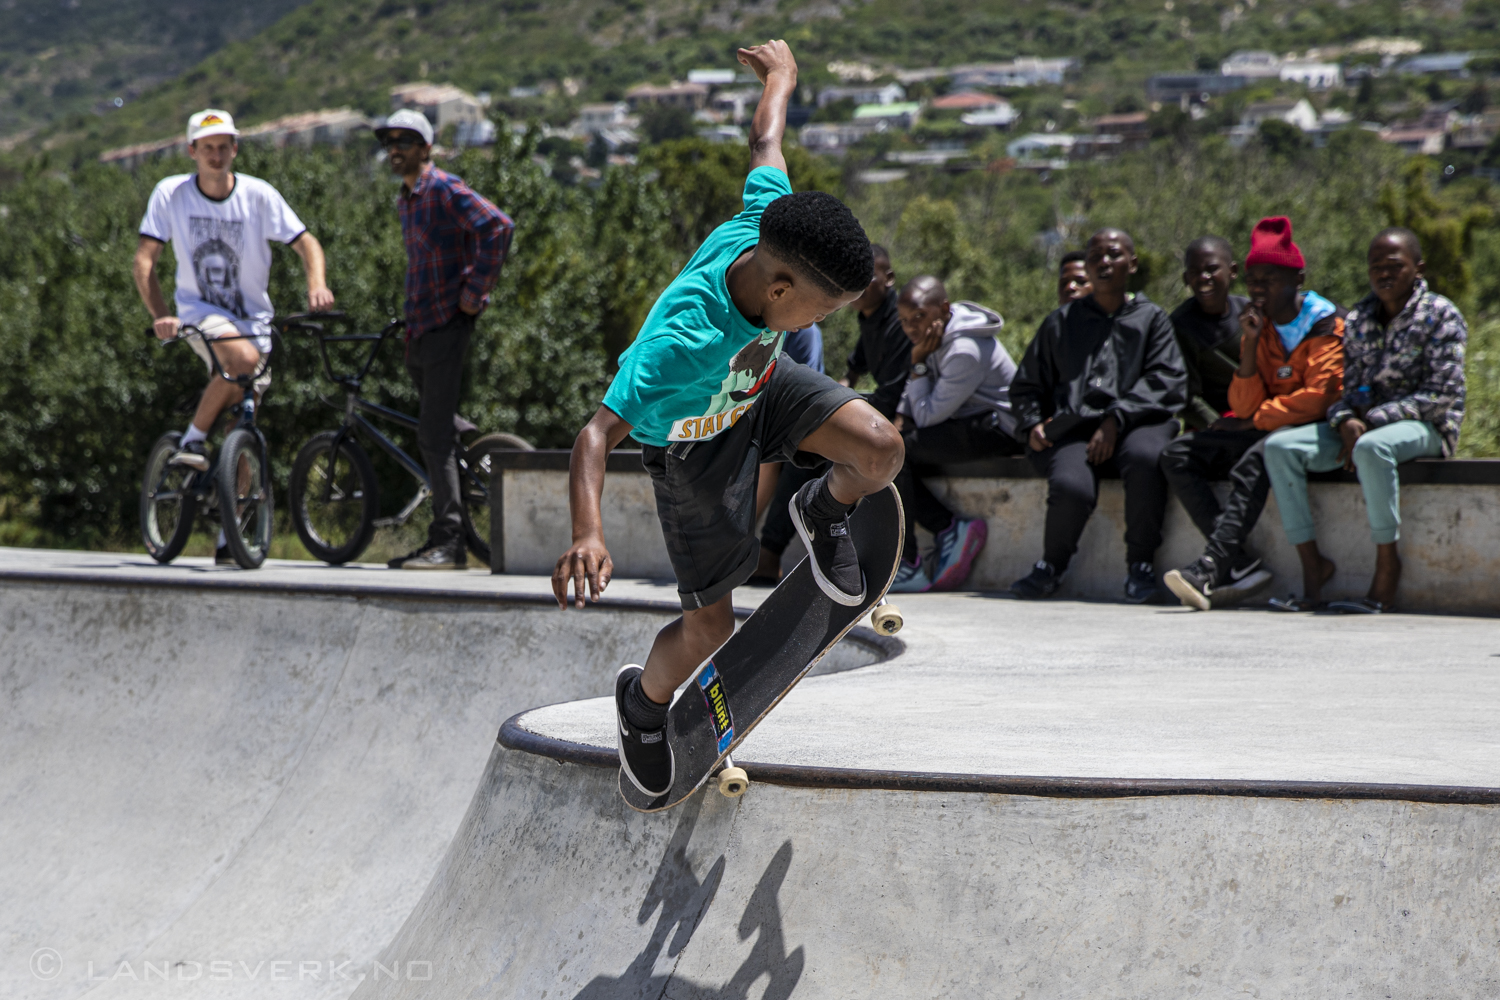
(298, 765)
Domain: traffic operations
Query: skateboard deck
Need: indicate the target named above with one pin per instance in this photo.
(773, 650)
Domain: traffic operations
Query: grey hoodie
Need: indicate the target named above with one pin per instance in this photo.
(968, 374)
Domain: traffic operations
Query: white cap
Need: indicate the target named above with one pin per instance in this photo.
(210, 122)
(408, 119)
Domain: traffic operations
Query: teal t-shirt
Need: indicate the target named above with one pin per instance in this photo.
(697, 363)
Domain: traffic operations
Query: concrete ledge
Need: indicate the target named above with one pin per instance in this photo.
(1450, 532)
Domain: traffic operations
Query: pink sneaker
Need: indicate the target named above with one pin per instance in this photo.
(955, 552)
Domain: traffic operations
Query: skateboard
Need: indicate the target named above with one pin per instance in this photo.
(774, 649)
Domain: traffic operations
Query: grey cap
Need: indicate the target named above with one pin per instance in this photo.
(406, 118)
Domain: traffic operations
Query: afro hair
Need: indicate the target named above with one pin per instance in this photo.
(819, 237)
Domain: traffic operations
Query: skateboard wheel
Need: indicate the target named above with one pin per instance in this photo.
(887, 619)
(733, 781)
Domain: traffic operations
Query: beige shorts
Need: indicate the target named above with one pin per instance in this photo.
(213, 328)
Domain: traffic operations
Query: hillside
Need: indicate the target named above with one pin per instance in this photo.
(58, 58)
(333, 52)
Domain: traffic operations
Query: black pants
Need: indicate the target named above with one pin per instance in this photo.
(962, 440)
(1191, 463)
(1073, 489)
(435, 361)
(778, 532)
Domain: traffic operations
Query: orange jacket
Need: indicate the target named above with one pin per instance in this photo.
(1296, 390)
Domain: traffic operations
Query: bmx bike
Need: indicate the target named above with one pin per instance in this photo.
(333, 493)
(234, 492)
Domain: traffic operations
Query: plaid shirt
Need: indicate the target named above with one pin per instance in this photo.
(1414, 368)
(455, 243)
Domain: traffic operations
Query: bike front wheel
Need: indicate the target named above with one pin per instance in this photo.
(334, 498)
(168, 504)
(243, 482)
(474, 484)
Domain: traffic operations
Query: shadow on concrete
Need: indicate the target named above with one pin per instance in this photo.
(683, 901)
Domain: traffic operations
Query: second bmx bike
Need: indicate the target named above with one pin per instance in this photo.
(334, 494)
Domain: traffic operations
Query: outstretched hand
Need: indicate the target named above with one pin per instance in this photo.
(772, 57)
(588, 565)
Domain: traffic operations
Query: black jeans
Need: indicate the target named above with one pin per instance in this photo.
(1073, 489)
(1190, 464)
(962, 440)
(435, 361)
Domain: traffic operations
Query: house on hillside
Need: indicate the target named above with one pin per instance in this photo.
(1299, 113)
(693, 96)
(966, 100)
(1191, 88)
(736, 105)
(595, 118)
(1254, 65)
(329, 127)
(1444, 63)
(1475, 131)
(1049, 149)
(835, 138)
(712, 77)
(900, 115)
(1130, 128)
(443, 104)
(1426, 140)
(1313, 75)
(869, 93)
(130, 157)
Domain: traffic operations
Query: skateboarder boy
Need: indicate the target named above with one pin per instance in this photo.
(704, 393)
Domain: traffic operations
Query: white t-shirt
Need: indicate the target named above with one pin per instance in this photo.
(222, 247)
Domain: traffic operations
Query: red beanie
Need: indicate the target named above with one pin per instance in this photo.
(1271, 243)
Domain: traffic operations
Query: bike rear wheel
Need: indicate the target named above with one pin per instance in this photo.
(334, 499)
(168, 505)
(243, 482)
(474, 484)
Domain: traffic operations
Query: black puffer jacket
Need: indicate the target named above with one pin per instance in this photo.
(1085, 364)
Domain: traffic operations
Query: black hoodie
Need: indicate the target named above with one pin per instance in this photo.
(884, 351)
(1084, 365)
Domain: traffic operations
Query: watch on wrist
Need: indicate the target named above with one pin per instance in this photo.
(920, 368)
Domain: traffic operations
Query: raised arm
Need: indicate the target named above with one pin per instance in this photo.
(587, 562)
(777, 71)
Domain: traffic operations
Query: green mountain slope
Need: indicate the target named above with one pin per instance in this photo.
(332, 52)
(59, 57)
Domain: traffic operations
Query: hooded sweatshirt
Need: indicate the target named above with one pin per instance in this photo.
(884, 352)
(1085, 364)
(1297, 386)
(969, 373)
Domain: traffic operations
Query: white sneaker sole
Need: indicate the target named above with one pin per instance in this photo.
(1185, 591)
(834, 594)
(620, 745)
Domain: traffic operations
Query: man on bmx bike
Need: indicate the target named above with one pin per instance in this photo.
(219, 224)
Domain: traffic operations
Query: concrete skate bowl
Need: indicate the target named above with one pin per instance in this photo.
(242, 791)
(823, 882)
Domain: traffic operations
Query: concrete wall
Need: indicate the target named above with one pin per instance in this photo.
(554, 888)
(1450, 536)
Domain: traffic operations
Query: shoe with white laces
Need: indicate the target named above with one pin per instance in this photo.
(645, 757)
(911, 578)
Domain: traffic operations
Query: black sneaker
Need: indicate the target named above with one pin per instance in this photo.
(1041, 582)
(1195, 584)
(1245, 578)
(646, 758)
(193, 456)
(835, 563)
(433, 557)
(222, 556)
(1140, 583)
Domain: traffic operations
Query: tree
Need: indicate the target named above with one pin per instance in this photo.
(1281, 139)
(663, 123)
(1447, 234)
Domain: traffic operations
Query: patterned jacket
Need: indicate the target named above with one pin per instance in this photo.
(1414, 368)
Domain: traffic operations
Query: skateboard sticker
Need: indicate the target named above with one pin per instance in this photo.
(712, 686)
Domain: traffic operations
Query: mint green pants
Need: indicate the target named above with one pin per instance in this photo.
(1293, 452)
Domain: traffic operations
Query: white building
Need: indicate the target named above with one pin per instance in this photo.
(711, 77)
(595, 118)
(1299, 113)
(998, 116)
(1041, 146)
(1313, 75)
(1264, 65)
(869, 93)
(331, 126)
(836, 138)
(443, 105)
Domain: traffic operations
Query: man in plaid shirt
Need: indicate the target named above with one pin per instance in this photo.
(455, 244)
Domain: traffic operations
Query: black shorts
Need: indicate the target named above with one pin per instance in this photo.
(705, 490)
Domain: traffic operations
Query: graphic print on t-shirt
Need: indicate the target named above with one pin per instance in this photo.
(217, 245)
(749, 370)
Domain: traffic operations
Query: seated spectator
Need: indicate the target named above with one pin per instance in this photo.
(1208, 328)
(956, 408)
(1072, 277)
(882, 351)
(779, 482)
(1098, 388)
(1403, 399)
(1290, 362)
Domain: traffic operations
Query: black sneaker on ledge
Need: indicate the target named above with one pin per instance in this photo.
(835, 563)
(645, 757)
(1041, 582)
